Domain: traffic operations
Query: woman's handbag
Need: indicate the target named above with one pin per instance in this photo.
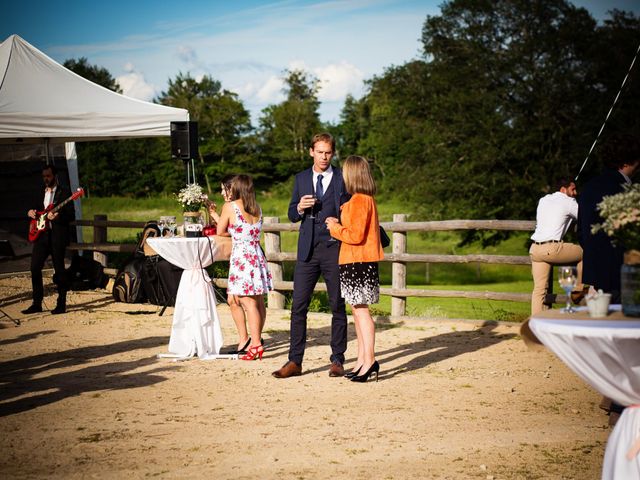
(385, 241)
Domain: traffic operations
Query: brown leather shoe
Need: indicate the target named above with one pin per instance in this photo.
(336, 370)
(289, 369)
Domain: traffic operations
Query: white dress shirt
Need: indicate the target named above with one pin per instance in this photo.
(326, 178)
(555, 213)
(49, 194)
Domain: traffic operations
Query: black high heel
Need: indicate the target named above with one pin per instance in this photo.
(375, 368)
(243, 350)
(353, 373)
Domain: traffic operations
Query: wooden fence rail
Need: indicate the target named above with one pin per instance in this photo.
(399, 257)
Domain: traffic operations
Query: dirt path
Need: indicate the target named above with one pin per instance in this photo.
(83, 396)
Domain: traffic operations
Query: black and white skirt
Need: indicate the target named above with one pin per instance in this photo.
(360, 283)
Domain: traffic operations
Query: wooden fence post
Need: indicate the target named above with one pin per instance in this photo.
(100, 236)
(272, 245)
(399, 269)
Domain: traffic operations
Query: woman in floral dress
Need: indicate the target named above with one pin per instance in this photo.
(237, 312)
(249, 278)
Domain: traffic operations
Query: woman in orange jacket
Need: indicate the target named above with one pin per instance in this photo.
(360, 252)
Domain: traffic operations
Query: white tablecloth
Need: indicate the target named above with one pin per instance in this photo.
(605, 354)
(196, 327)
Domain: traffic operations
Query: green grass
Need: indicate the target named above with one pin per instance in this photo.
(479, 277)
(121, 208)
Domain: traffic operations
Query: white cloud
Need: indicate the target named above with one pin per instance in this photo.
(134, 85)
(271, 91)
(248, 49)
(337, 80)
(187, 54)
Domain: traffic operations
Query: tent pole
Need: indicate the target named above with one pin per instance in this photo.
(74, 181)
(46, 151)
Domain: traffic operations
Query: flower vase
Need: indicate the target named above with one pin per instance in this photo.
(630, 283)
(193, 224)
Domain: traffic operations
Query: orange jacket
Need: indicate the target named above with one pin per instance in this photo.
(359, 231)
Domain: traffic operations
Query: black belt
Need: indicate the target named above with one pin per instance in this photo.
(548, 241)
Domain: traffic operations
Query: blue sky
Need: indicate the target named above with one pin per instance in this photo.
(243, 43)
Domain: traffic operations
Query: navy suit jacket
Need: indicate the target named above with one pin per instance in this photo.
(303, 185)
(601, 258)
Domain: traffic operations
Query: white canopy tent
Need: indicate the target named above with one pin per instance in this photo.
(41, 99)
(44, 103)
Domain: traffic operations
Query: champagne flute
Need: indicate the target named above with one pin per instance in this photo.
(567, 278)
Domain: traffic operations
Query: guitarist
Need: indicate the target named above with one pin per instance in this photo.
(53, 241)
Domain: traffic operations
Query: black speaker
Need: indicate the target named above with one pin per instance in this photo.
(184, 140)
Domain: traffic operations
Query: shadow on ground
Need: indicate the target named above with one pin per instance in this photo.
(24, 387)
(419, 354)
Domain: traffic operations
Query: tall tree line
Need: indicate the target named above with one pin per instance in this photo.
(506, 96)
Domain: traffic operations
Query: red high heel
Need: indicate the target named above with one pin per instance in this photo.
(253, 353)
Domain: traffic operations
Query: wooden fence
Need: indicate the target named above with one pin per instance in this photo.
(399, 257)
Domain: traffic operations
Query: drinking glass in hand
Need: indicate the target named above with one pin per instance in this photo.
(568, 279)
(312, 209)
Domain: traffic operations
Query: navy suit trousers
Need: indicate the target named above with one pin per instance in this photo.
(323, 260)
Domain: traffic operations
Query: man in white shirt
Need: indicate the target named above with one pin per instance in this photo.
(555, 213)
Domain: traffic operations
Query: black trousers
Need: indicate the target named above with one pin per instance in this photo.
(324, 260)
(55, 245)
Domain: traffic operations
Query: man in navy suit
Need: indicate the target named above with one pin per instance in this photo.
(602, 259)
(318, 193)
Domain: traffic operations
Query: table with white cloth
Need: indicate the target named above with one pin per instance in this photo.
(605, 353)
(196, 327)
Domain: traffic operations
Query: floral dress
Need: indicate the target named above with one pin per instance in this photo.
(248, 273)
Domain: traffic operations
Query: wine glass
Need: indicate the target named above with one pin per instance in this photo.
(171, 223)
(567, 278)
(162, 225)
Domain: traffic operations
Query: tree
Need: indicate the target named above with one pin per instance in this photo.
(511, 76)
(616, 46)
(94, 73)
(287, 128)
(508, 96)
(353, 126)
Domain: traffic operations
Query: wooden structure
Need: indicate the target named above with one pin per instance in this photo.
(399, 257)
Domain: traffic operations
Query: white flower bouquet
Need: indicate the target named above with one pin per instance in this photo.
(621, 214)
(192, 197)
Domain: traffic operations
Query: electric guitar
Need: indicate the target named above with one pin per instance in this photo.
(40, 223)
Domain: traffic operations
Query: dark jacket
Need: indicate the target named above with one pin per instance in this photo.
(601, 258)
(303, 185)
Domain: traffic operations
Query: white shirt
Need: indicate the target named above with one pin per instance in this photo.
(627, 180)
(553, 217)
(48, 196)
(326, 179)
